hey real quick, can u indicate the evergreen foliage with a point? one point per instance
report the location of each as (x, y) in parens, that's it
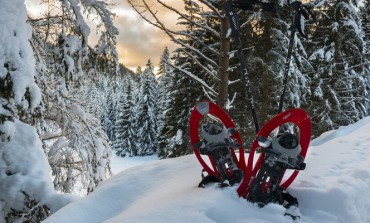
(337, 55)
(182, 98)
(19, 98)
(165, 81)
(126, 124)
(82, 103)
(146, 113)
(266, 38)
(75, 143)
(365, 16)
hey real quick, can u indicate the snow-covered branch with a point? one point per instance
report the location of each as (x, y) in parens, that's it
(213, 8)
(212, 73)
(159, 24)
(184, 16)
(194, 77)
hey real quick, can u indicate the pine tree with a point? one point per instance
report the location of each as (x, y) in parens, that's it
(22, 160)
(365, 16)
(139, 70)
(125, 126)
(265, 38)
(77, 147)
(204, 43)
(165, 80)
(338, 60)
(182, 97)
(146, 113)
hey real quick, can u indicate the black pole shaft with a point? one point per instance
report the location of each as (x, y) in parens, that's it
(287, 66)
(235, 28)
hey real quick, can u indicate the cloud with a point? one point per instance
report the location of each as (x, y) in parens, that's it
(139, 41)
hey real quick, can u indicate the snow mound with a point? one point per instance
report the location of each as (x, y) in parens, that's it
(333, 188)
(25, 169)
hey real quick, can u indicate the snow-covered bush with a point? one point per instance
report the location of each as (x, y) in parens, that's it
(26, 189)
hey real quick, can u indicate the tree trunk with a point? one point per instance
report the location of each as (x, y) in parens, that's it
(223, 63)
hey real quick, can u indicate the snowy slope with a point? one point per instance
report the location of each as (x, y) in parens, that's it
(333, 188)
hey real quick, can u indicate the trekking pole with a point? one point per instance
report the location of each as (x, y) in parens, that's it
(292, 30)
(298, 10)
(235, 32)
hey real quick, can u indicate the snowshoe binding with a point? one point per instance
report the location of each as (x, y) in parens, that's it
(281, 153)
(217, 144)
(216, 139)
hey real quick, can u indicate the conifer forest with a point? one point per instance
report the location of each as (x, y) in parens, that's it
(83, 105)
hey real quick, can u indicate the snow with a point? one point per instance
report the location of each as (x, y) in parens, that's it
(16, 54)
(333, 188)
(123, 163)
(178, 137)
(26, 169)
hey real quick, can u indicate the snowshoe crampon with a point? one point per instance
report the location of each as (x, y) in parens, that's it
(216, 139)
(262, 180)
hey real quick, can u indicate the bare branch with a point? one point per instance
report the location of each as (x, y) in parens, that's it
(160, 25)
(43, 19)
(51, 135)
(212, 74)
(200, 42)
(207, 94)
(249, 19)
(214, 9)
(192, 76)
(229, 103)
(169, 32)
(212, 31)
(234, 81)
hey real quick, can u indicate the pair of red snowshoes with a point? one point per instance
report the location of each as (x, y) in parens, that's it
(259, 181)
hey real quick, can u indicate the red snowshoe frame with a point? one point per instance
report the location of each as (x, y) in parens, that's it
(201, 109)
(296, 116)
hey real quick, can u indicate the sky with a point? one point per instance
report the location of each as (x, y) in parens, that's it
(137, 41)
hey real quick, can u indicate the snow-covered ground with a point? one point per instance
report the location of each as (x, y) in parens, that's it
(119, 164)
(333, 188)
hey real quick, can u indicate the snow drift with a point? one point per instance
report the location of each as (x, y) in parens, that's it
(25, 170)
(333, 188)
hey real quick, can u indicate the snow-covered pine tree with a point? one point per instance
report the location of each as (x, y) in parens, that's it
(265, 38)
(337, 54)
(365, 16)
(26, 189)
(118, 96)
(77, 147)
(146, 113)
(205, 42)
(183, 91)
(111, 111)
(165, 80)
(182, 97)
(139, 70)
(126, 120)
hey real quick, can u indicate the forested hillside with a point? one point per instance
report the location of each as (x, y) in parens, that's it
(76, 105)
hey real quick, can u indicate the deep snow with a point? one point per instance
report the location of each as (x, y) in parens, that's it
(333, 188)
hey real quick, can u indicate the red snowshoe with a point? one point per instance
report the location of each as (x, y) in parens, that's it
(263, 181)
(217, 139)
